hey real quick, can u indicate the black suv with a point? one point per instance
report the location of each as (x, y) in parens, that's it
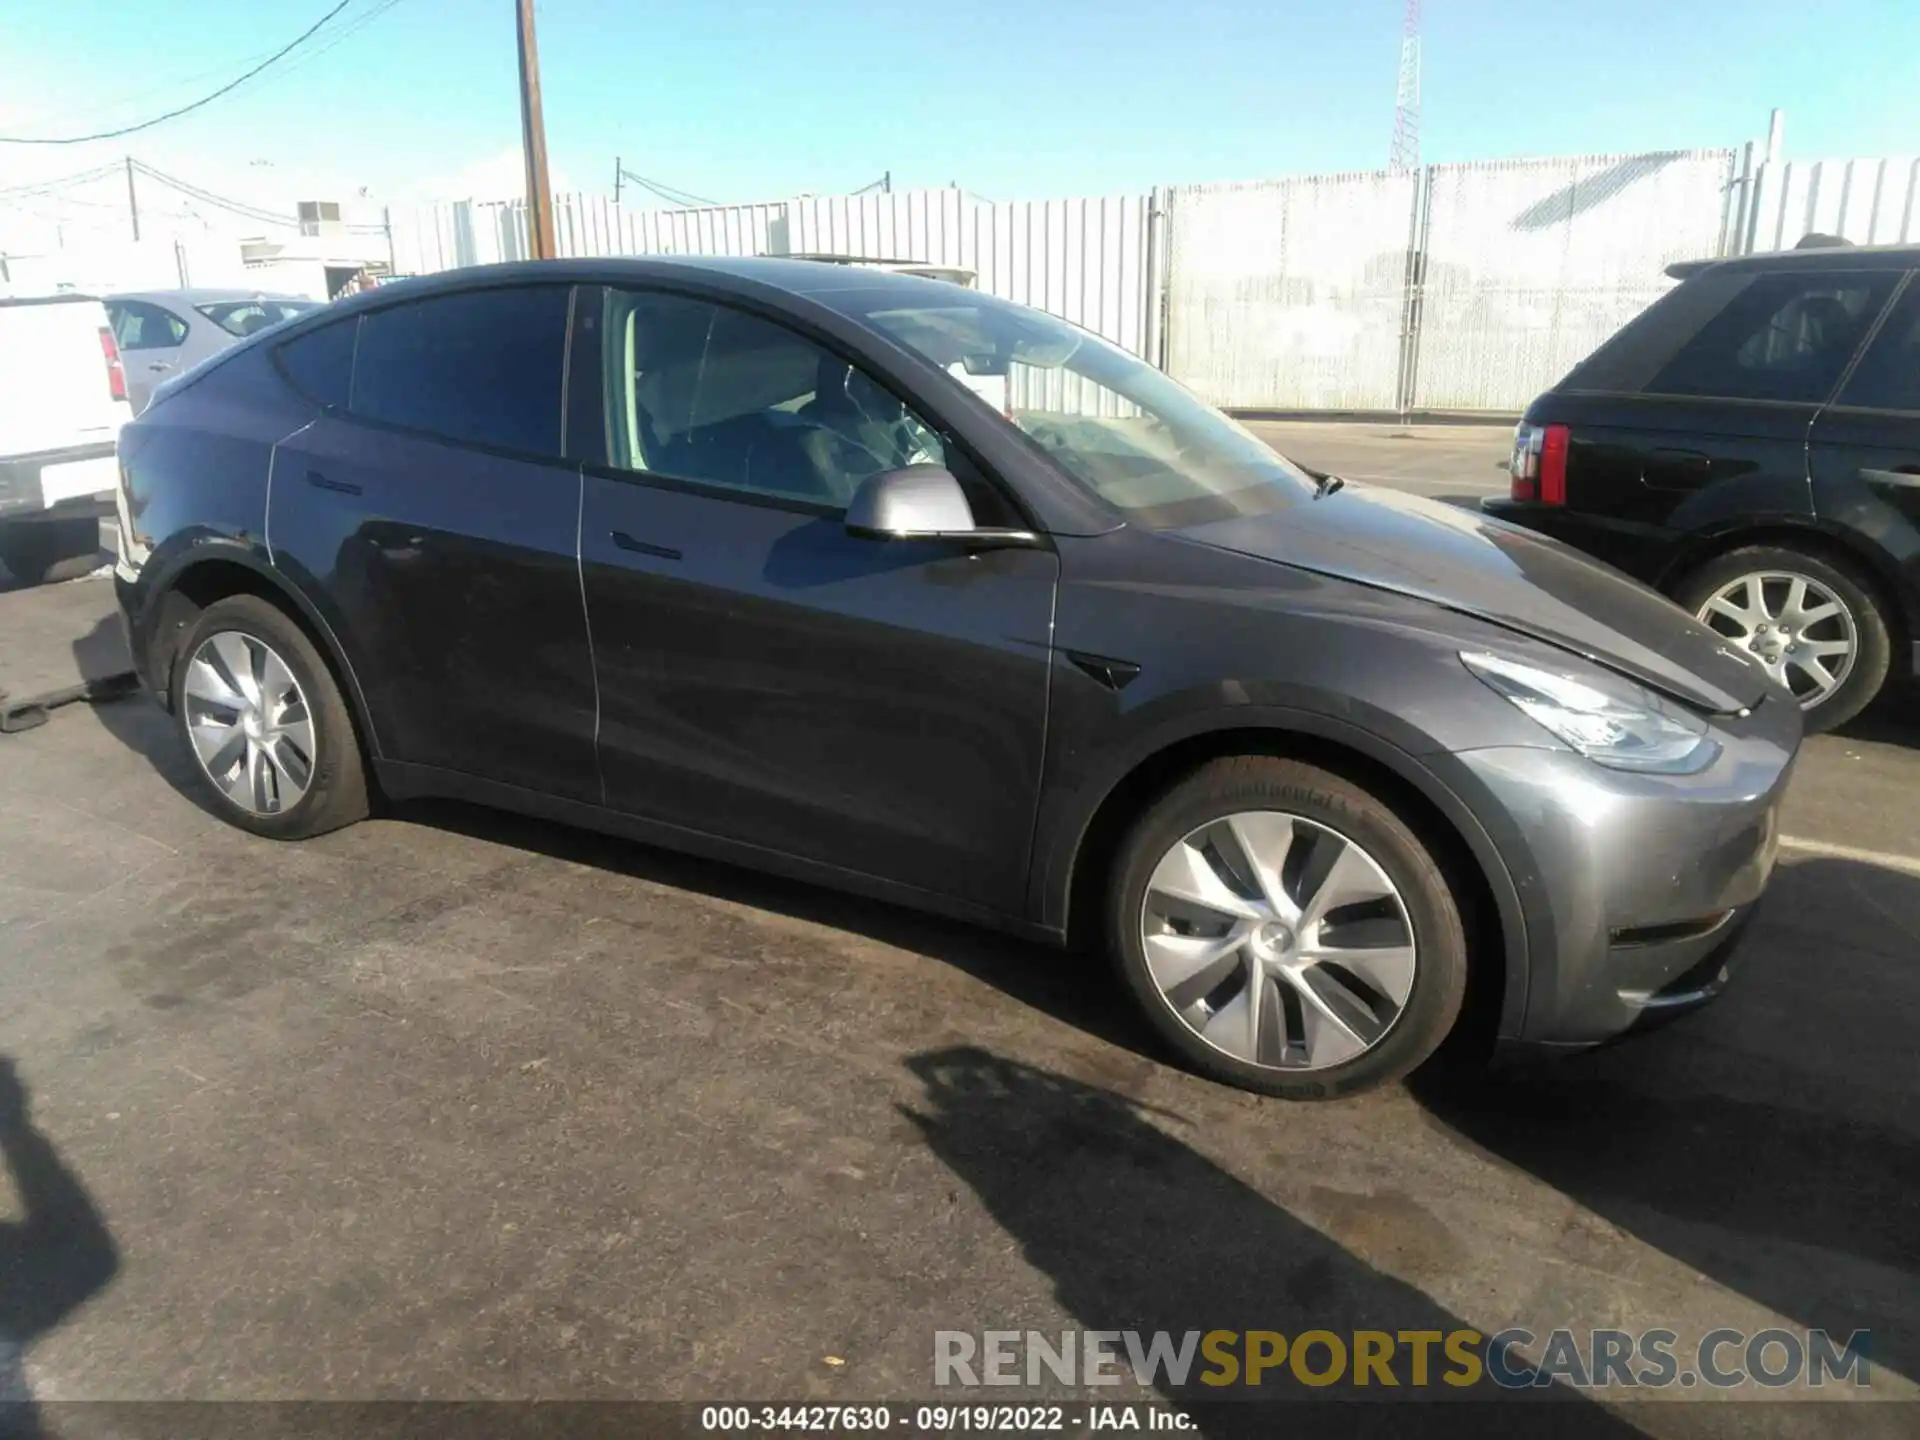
(1751, 446)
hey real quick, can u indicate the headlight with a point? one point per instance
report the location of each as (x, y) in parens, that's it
(1634, 730)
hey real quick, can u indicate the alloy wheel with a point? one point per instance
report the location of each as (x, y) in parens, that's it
(1796, 627)
(249, 722)
(1278, 941)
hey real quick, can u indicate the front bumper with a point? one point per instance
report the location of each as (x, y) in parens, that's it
(72, 483)
(1635, 888)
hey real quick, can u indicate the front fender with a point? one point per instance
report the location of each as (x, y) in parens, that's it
(1238, 649)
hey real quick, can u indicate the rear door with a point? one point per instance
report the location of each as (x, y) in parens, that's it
(429, 512)
(153, 345)
(766, 677)
(1865, 448)
(1716, 434)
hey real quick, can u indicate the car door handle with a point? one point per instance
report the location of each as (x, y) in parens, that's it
(641, 547)
(341, 487)
(1907, 477)
(160, 365)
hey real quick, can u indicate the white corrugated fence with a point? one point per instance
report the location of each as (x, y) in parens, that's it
(1455, 288)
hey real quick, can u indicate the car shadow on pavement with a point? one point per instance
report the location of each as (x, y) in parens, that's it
(1138, 1231)
(1771, 1142)
(1067, 985)
(53, 1259)
(137, 722)
(1892, 719)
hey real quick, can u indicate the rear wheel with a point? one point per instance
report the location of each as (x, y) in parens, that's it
(271, 737)
(1813, 625)
(42, 550)
(1285, 931)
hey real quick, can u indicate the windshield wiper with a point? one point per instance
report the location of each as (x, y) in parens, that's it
(1326, 485)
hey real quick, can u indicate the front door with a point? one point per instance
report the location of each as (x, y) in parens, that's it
(875, 706)
(434, 521)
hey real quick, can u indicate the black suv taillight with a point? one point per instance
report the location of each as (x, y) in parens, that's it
(1539, 463)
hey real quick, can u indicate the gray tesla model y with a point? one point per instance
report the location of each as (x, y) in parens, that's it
(879, 581)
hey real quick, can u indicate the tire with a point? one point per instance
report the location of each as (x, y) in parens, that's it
(38, 551)
(1863, 622)
(1325, 815)
(330, 790)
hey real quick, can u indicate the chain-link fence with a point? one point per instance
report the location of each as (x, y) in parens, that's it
(1527, 265)
(1290, 294)
(1457, 288)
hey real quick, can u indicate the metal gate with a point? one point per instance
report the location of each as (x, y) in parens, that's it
(1527, 265)
(1290, 294)
(1457, 288)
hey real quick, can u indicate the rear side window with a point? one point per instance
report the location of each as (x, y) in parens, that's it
(1786, 337)
(245, 317)
(480, 367)
(319, 364)
(1888, 376)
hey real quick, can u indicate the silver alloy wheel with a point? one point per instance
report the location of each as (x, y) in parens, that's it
(1793, 625)
(1278, 941)
(249, 722)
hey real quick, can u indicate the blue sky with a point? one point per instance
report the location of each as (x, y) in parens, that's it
(1009, 98)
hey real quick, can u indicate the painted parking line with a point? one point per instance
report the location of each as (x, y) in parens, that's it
(1905, 864)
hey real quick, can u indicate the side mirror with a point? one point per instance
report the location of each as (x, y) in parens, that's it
(923, 502)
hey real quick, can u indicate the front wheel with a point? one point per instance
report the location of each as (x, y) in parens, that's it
(1285, 932)
(1811, 624)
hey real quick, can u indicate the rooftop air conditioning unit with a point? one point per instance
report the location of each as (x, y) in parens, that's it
(320, 217)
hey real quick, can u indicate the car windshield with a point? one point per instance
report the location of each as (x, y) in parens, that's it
(248, 317)
(1117, 426)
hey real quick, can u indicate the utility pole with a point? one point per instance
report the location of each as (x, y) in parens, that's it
(886, 182)
(133, 202)
(533, 140)
(619, 174)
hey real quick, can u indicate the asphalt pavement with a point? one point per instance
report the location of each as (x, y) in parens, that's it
(455, 1105)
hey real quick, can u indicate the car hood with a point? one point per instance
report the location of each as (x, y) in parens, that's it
(1501, 573)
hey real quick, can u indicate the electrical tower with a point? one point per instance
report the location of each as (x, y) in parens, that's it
(1406, 110)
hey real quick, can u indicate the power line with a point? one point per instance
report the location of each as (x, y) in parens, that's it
(223, 202)
(176, 113)
(340, 37)
(669, 193)
(62, 182)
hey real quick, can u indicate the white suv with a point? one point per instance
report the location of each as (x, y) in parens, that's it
(63, 399)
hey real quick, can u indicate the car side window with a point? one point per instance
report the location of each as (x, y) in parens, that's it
(715, 396)
(480, 367)
(248, 317)
(1785, 337)
(138, 325)
(319, 364)
(1888, 375)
